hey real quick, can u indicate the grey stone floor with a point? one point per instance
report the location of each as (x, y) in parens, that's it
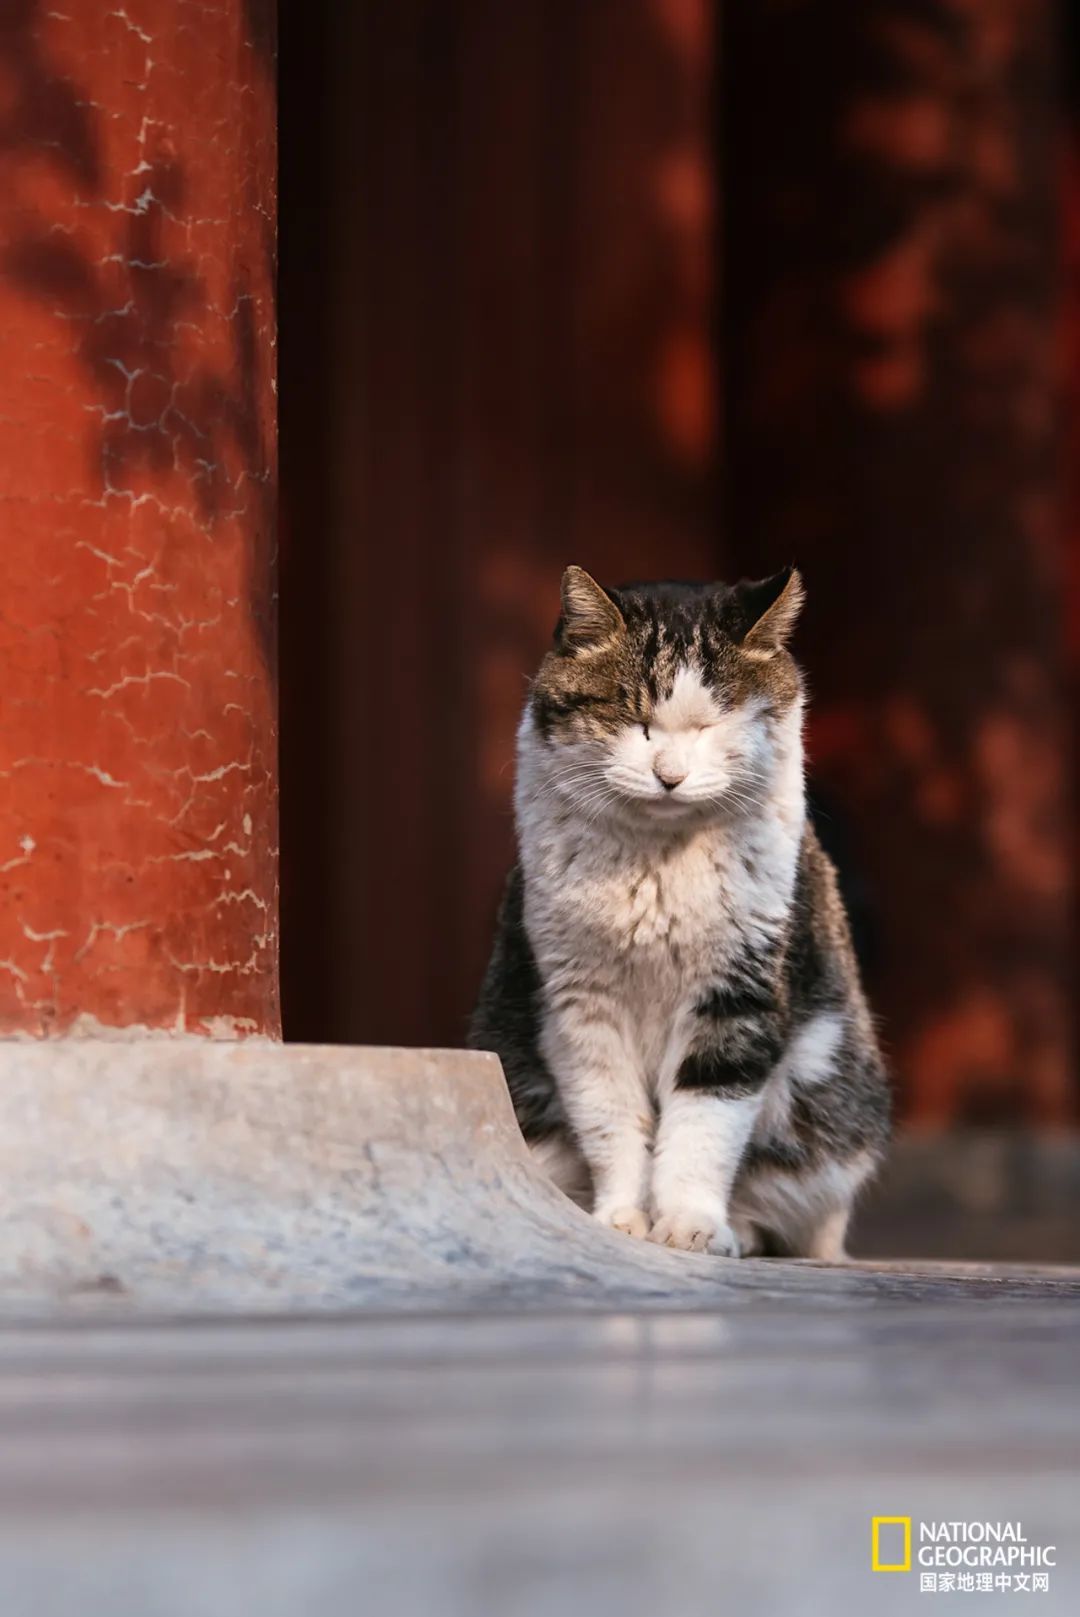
(533, 1465)
(300, 1332)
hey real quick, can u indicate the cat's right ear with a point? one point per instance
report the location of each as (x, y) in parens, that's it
(590, 618)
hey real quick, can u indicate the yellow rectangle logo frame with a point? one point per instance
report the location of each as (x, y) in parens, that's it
(876, 1524)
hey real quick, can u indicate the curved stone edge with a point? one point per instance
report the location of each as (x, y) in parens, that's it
(187, 1176)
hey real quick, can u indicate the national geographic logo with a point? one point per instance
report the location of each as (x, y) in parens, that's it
(963, 1557)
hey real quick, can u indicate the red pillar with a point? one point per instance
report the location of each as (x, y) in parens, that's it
(137, 484)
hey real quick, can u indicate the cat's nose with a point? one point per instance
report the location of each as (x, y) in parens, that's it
(669, 778)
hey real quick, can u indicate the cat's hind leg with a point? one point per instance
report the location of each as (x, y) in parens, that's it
(750, 1239)
(559, 1158)
(803, 1213)
(825, 1239)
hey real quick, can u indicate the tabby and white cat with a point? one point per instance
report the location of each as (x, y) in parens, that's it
(672, 990)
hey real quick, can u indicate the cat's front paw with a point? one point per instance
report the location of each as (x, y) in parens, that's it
(696, 1232)
(630, 1220)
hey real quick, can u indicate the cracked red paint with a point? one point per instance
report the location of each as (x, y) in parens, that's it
(138, 856)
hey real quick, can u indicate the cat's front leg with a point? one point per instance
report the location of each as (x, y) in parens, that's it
(603, 1091)
(706, 1120)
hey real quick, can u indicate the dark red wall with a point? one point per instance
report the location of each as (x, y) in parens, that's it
(522, 334)
(513, 228)
(892, 364)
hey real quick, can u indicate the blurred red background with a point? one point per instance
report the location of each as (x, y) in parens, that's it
(674, 289)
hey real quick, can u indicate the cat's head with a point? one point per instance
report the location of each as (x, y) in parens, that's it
(668, 702)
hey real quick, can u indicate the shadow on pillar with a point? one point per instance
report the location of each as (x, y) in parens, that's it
(138, 825)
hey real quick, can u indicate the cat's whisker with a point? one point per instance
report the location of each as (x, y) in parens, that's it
(566, 782)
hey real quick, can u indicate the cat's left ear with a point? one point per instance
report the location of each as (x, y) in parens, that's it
(589, 618)
(770, 608)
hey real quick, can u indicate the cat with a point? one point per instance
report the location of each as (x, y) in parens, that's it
(672, 988)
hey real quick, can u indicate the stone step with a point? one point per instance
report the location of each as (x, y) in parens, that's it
(184, 1176)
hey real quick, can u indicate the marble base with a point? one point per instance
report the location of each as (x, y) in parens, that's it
(163, 1176)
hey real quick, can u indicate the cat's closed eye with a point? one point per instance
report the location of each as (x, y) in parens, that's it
(645, 729)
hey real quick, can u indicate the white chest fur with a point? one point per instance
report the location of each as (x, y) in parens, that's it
(645, 929)
(631, 921)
